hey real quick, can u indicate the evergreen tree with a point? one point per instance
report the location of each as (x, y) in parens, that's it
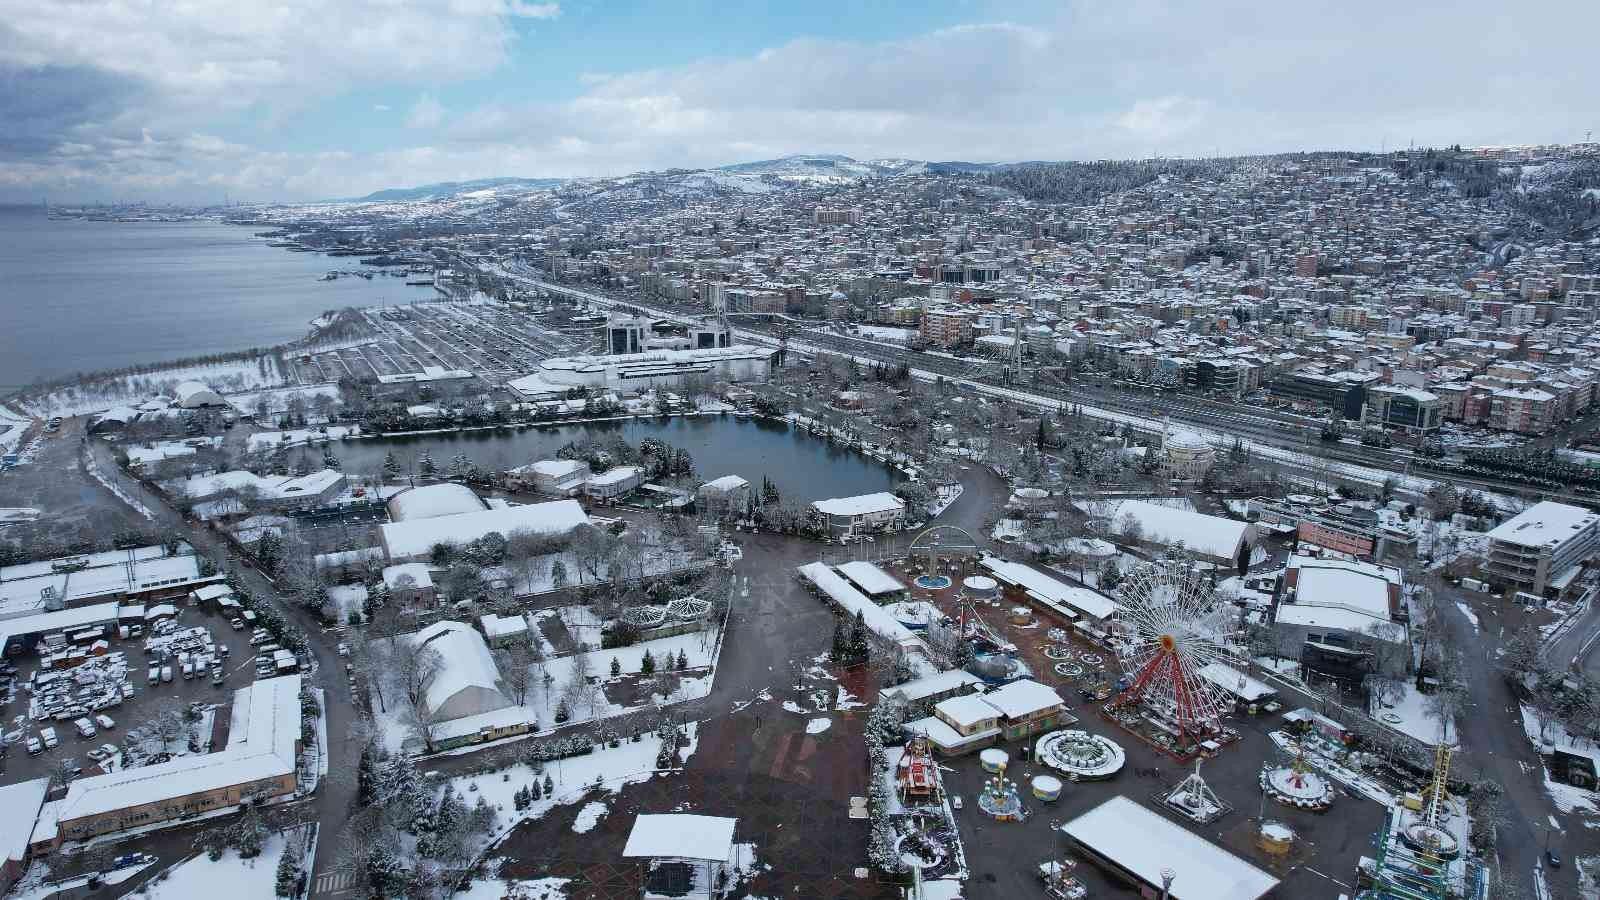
(841, 640)
(385, 872)
(562, 713)
(616, 667)
(391, 466)
(558, 574)
(367, 776)
(549, 786)
(647, 665)
(537, 791)
(288, 879)
(683, 660)
(426, 467)
(858, 637)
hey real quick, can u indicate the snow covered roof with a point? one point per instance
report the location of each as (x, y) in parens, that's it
(415, 539)
(1023, 698)
(870, 578)
(862, 505)
(212, 592)
(616, 475)
(421, 577)
(948, 680)
(558, 468)
(852, 601)
(1544, 524)
(192, 394)
(467, 682)
(1049, 590)
(726, 483)
(262, 732)
(21, 801)
(503, 626)
(966, 710)
(679, 836)
(433, 500)
(1358, 587)
(1211, 535)
(1144, 842)
(1236, 682)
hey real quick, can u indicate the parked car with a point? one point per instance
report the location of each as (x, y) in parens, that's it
(50, 740)
(105, 722)
(236, 624)
(35, 746)
(166, 674)
(1553, 859)
(85, 727)
(110, 750)
(154, 674)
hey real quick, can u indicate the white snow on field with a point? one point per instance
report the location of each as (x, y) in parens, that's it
(630, 762)
(545, 696)
(230, 876)
(551, 888)
(1467, 611)
(818, 726)
(278, 398)
(267, 440)
(1414, 719)
(104, 393)
(589, 816)
(348, 598)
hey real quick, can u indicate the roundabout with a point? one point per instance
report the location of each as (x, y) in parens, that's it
(1081, 755)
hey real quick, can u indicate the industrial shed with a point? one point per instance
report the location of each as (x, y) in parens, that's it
(194, 395)
(432, 501)
(468, 684)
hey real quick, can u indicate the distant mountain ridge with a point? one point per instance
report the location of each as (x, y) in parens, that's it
(751, 177)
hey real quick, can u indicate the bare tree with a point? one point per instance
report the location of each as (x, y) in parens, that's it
(414, 668)
(514, 663)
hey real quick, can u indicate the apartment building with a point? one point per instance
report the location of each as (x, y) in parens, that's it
(1543, 549)
(947, 326)
(1523, 410)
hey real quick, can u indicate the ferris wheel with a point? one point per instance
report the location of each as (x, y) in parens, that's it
(1177, 628)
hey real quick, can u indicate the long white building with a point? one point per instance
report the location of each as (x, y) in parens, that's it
(638, 371)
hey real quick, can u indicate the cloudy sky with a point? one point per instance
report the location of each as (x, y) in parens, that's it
(191, 100)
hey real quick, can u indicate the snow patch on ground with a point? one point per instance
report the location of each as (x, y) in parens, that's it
(1467, 611)
(538, 889)
(1411, 710)
(818, 726)
(230, 876)
(589, 816)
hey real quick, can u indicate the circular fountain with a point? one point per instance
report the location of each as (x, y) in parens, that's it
(933, 582)
(1081, 755)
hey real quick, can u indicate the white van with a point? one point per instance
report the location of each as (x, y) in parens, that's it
(85, 728)
(166, 674)
(154, 674)
(50, 740)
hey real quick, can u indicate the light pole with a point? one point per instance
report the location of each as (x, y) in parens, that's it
(1167, 876)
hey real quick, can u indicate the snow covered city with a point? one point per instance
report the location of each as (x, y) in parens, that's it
(518, 450)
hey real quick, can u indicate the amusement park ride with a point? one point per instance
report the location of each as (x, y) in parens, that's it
(1176, 629)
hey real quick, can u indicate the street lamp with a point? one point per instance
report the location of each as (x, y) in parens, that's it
(1167, 876)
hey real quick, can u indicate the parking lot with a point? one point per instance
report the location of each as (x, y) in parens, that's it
(112, 702)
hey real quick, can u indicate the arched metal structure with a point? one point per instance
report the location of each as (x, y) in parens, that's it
(943, 541)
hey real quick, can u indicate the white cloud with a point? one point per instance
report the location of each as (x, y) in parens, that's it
(1096, 81)
(425, 113)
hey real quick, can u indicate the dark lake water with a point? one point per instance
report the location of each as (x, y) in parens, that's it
(78, 296)
(805, 468)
